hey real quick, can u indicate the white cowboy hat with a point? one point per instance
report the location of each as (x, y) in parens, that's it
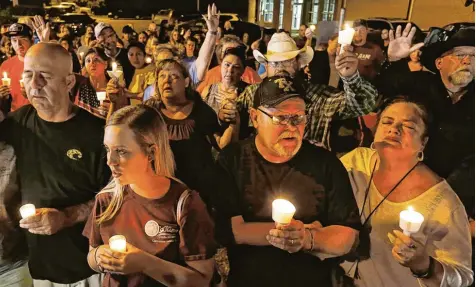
(282, 47)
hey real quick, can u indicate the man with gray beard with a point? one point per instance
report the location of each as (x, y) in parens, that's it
(278, 163)
(448, 91)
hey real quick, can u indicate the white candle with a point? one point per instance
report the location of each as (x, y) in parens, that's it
(148, 60)
(117, 243)
(345, 38)
(114, 66)
(313, 28)
(22, 81)
(6, 80)
(27, 210)
(283, 211)
(101, 96)
(81, 55)
(410, 221)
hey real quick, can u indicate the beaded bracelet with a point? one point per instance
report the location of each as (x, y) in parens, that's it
(312, 239)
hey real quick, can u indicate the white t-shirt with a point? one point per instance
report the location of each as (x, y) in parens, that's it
(445, 229)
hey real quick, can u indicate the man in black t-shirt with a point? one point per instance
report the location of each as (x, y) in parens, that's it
(277, 163)
(107, 38)
(60, 167)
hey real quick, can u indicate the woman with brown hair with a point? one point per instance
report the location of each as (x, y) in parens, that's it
(389, 178)
(177, 248)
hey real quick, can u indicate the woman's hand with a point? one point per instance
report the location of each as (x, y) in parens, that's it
(114, 91)
(290, 238)
(129, 262)
(410, 253)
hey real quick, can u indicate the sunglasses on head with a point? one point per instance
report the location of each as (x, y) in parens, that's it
(437, 34)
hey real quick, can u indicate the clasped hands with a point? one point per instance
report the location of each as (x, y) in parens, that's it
(292, 237)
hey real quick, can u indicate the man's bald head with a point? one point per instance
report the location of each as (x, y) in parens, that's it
(51, 54)
(48, 78)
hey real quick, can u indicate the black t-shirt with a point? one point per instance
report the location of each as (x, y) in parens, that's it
(123, 62)
(59, 165)
(191, 143)
(314, 180)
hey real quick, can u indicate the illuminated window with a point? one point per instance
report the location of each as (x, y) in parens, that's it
(267, 10)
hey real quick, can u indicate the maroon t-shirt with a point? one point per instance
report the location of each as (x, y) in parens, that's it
(370, 58)
(151, 225)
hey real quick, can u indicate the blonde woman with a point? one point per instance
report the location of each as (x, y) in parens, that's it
(168, 230)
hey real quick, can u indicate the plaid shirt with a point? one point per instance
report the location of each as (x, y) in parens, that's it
(326, 103)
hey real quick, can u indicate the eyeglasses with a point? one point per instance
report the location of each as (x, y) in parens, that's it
(461, 57)
(282, 63)
(294, 120)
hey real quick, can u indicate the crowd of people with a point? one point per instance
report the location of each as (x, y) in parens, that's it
(190, 137)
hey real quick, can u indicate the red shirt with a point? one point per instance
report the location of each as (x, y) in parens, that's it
(14, 69)
(151, 225)
(213, 76)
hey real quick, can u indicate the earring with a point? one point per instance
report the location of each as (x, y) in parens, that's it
(372, 146)
(420, 156)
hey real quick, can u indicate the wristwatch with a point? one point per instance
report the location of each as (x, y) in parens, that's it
(427, 274)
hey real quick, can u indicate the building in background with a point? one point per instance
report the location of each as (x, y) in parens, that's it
(290, 14)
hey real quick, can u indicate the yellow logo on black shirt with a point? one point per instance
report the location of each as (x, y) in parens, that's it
(74, 154)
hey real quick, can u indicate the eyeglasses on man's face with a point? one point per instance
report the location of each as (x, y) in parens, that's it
(294, 120)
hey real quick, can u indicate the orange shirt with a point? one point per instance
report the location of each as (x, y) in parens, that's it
(213, 76)
(14, 69)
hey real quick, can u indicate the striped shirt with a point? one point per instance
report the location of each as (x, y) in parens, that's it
(326, 103)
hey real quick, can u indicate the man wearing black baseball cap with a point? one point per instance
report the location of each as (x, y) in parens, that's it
(21, 36)
(278, 163)
(448, 90)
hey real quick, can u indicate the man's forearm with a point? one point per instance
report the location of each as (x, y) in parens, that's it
(78, 213)
(333, 240)
(360, 97)
(250, 233)
(205, 55)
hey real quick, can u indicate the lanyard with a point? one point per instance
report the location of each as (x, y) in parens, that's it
(388, 194)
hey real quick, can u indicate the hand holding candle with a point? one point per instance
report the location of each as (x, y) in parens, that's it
(410, 221)
(283, 211)
(115, 73)
(6, 80)
(345, 38)
(27, 210)
(118, 243)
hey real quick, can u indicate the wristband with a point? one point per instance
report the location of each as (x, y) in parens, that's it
(312, 239)
(95, 260)
(428, 273)
(213, 32)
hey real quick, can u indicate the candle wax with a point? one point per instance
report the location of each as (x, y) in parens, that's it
(27, 210)
(118, 243)
(283, 211)
(410, 221)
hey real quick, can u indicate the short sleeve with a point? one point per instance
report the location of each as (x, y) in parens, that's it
(192, 70)
(92, 229)
(196, 230)
(341, 208)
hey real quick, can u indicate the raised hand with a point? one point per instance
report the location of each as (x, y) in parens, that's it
(212, 18)
(347, 62)
(400, 45)
(42, 29)
(309, 33)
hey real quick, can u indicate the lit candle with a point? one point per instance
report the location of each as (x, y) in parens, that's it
(81, 55)
(6, 80)
(345, 37)
(410, 221)
(148, 60)
(313, 28)
(117, 243)
(22, 81)
(283, 211)
(115, 73)
(27, 210)
(101, 96)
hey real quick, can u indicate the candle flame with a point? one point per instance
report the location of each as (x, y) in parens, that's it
(114, 66)
(5, 75)
(346, 26)
(410, 208)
